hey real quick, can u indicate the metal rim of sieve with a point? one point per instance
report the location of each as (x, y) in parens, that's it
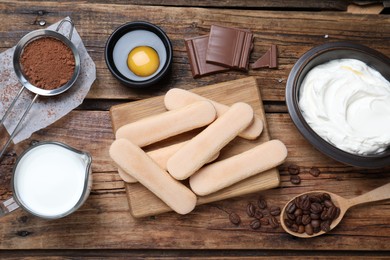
(32, 36)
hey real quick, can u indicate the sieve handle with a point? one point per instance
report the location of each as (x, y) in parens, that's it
(11, 106)
(71, 27)
(8, 206)
(18, 125)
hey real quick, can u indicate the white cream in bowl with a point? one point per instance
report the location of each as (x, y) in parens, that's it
(347, 103)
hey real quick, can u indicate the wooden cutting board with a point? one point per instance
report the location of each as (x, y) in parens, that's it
(144, 203)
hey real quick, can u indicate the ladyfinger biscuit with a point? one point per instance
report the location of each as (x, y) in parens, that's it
(176, 98)
(203, 146)
(158, 127)
(135, 161)
(160, 156)
(222, 174)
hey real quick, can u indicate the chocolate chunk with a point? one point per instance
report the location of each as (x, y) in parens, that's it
(269, 59)
(229, 47)
(196, 50)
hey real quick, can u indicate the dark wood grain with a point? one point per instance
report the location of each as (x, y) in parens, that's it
(104, 228)
(105, 221)
(340, 5)
(293, 32)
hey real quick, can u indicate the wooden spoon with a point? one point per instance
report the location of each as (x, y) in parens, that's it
(344, 204)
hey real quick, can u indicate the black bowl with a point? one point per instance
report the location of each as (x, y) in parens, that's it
(320, 55)
(121, 31)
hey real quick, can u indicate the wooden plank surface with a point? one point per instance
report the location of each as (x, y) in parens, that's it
(143, 202)
(103, 227)
(105, 221)
(293, 32)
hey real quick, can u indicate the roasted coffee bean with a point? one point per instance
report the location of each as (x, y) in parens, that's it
(234, 218)
(250, 209)
(265, 212)
(298, 212)
(291, 207)
(324, 214)
(291, 216)
(306, 212)
(255, 224)
(293, 169)
(298, 220)
(305, 204)
(288, 222)
(328, 203)
(315, 223)
(295, 179)
(258, 214)
(325, 226)
(262, 203)
(301, 229)
(337, 213)
(274, 211)
(265, 221)
(315, 198)
(325, 196)
(273, 222)
(309, 229)
(316, 229)
(314, 216)
(306, 219)
(315, 208)
(294, 228)
(315, 171)
(332, 213)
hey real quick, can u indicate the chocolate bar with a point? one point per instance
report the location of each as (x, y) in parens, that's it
(269, 59)
(229, 47)
(196, 50)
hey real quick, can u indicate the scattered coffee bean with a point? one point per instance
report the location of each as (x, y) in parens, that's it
(293, 169)
(234, 218)
(295, 179)
(258, 214)
(262, 203)
(274, 211)
(255, 224)
(250, 209)
(273, 222)
(315, 171)
(311, 213)
(265, 212)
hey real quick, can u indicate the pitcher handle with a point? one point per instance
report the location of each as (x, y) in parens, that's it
(71, 27)
(8, 206)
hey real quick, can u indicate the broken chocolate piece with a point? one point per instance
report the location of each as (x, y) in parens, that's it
(229, 47)
(269, 59)
(196, 50)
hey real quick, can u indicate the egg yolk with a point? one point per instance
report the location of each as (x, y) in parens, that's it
(143, 61)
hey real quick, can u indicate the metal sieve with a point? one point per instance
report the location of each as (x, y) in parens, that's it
(34, 35)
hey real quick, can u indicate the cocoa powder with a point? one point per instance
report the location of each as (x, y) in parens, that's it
(47, 63)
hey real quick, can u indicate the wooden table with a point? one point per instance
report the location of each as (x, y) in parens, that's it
(103, 227)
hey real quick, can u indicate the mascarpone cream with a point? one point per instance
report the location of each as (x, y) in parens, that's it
(347, 103)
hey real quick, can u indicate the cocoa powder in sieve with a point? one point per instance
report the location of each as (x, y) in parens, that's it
(47, 63)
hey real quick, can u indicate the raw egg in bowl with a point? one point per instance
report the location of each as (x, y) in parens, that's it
(138, 54)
